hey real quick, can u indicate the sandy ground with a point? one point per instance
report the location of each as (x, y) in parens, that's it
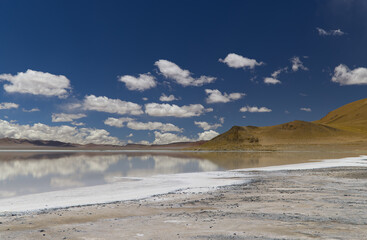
(304, 204)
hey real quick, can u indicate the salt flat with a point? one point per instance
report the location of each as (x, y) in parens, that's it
(323, 203)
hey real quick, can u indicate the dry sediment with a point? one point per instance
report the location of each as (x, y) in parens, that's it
(304, 204)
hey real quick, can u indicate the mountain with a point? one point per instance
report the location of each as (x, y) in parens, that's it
(351, 117)
(343, 128)
(11, 143)
(170, 146)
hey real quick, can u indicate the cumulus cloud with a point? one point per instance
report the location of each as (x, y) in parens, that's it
(215, 96)
(221, 120)
(274, 76)
(104, 104)
(73, 106)
(306, 109)
(31, 110)
(344, 76)
(37, 83)
(117, 122)
(64, 117)
(276, 73)
(165, 98)
(8, 105)
(166, 138)
(141, 83)
(163, 127)
(172, 110)
(77, 123)
(269, 80)
(144, 142)
(135, 125)
(207, 126)
(254, 109)
(207, 135)
(323, 32)
(237, 61)
(63, 133)
(183, 77)
(297, 64)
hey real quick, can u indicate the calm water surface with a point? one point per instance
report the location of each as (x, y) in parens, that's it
(24, 173)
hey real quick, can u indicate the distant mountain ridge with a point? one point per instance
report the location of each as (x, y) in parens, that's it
(344, 128)
(346, 125)
(12, 143)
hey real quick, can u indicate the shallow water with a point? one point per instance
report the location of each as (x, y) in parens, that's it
(23, 173)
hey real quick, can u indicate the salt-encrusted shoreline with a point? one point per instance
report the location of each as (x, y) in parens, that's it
(141, 188)
(325, 203)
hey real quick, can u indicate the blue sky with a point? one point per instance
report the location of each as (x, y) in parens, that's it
(95, 71)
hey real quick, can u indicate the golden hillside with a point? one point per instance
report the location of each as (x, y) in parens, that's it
(345, 126)
(351, 117)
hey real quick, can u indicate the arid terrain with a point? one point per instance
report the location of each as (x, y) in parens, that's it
(342, 129)
(305, 204)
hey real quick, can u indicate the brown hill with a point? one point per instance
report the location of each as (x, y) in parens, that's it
(345, 126)
(351, 117)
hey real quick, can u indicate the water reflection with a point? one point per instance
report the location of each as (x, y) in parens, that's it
(25, 173)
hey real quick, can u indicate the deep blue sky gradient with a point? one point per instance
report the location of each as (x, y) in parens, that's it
(93, 42)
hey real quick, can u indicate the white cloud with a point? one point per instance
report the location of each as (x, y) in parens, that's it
(77, 123)
(163, 127)
(181, 76)
(117, 122)
(145, 99)
(215, 96)
(166, 138)
(237, 61)
(274, 76)
(130, 135)
(269, 80)
(135, 125)
(31, 110)
(207, 135)
(165, 98)
(73, 106)
(323, 32)
(297, 64)
(37, 83)
(8, 105)
(207, 126)
(344, 76)
(63, 133)
(141, 83)
(276, 73)
(221, 120)
(64, 117)
(144, 142)
(254, 109)
(172, 110)
(104, 104)
(306, 109)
